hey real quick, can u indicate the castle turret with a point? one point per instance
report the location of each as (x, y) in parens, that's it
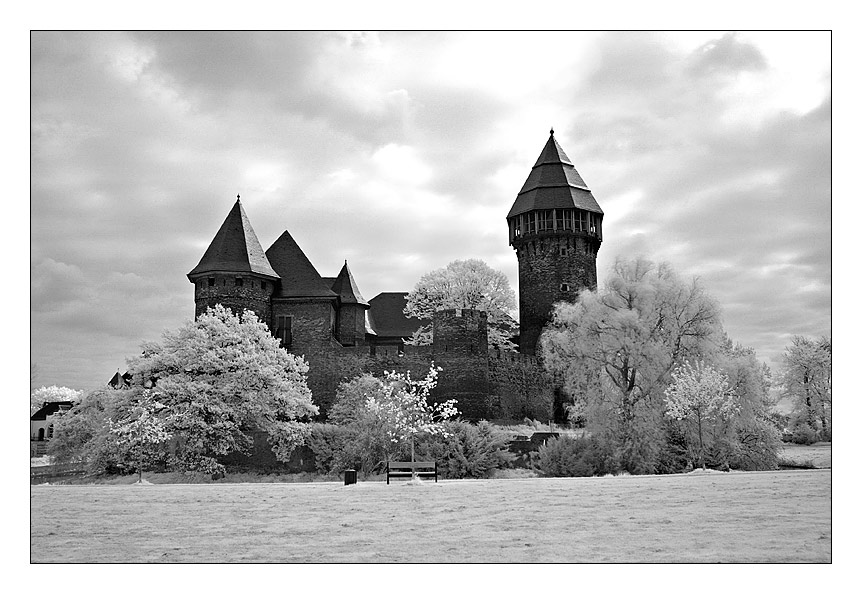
(352, 307)
(555, 227)
(234, 270)
(460, 348)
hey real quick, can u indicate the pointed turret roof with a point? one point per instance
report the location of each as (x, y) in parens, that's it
(554, 183)
(299, 278)
(345, 287)
(235, 248)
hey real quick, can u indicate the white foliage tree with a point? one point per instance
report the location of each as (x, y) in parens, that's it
(403, 406)
(697, 395)
(44, 394)
(141, 429)
(220, 377)
(806, 379)
(616, 348)
(465, 284)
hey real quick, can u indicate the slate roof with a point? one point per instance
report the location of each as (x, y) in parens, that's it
(345, 287)
(299, 278)
(115, 381)
(49, 408)
(387, 318)
(235, 248)
(554, 183)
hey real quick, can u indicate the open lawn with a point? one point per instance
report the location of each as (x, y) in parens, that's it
(697, 517)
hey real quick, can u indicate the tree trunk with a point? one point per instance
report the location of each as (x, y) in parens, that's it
(412, 458)
(700, 440)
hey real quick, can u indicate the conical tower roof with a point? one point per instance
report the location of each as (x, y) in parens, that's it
(235, 248)
(299, 278)
(554, 183)
(345, 287)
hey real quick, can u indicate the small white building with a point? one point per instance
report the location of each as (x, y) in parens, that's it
(42, 423)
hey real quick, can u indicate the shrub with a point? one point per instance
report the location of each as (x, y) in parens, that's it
(564, 456)
(468, 451)
(329, 442)
(804, 435)
(673, 455)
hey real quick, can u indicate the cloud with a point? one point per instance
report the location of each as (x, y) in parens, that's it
(404, 151)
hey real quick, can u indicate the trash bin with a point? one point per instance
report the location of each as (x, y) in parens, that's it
(349, 477)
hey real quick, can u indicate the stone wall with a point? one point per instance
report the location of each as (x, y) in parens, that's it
(262, 458)
(254, 294)
(328, 368)
(519, 387)
(312, 324)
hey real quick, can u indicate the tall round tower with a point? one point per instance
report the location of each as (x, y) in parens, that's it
(555, 227)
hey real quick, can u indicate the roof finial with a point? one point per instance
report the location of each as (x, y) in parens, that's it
(552, 130)
(237, 196)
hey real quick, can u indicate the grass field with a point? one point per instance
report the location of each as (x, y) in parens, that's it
(697, 517)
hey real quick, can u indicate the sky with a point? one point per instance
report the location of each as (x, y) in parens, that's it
(403, 151)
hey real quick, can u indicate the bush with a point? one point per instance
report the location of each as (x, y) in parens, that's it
(569, 456)
(466, 450)
(804, 435)
(673, 455)
(329, 442)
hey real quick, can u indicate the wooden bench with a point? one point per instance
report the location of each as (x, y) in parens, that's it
(402, 469)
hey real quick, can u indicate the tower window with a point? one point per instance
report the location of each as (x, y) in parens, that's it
(263, 285)
(580, 220)
(564, 251)
(564, 287)
(530, 222)
(238, 282)
(211, 282)
(284, 330)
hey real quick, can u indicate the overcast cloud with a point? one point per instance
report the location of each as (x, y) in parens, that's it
(401, 152)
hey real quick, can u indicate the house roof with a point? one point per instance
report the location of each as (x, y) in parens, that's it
(554, 183)
(345, 287)
(387, 318)
(117, 380)
(49, 408)
(235, 248)
(299, 278)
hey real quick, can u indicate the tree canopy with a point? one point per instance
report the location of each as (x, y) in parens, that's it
(618, 347)
(806, 379)
(44, 394)
(205, 385)
(465, 284)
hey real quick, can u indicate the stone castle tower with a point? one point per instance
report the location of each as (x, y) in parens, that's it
(555, 227)
(234, 271)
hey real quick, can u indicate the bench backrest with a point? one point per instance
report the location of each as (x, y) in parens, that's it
(411, 465)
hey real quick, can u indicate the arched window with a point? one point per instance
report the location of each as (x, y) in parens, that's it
(50, 431)
(41, 434)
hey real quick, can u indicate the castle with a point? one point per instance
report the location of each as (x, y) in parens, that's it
(555, 227)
